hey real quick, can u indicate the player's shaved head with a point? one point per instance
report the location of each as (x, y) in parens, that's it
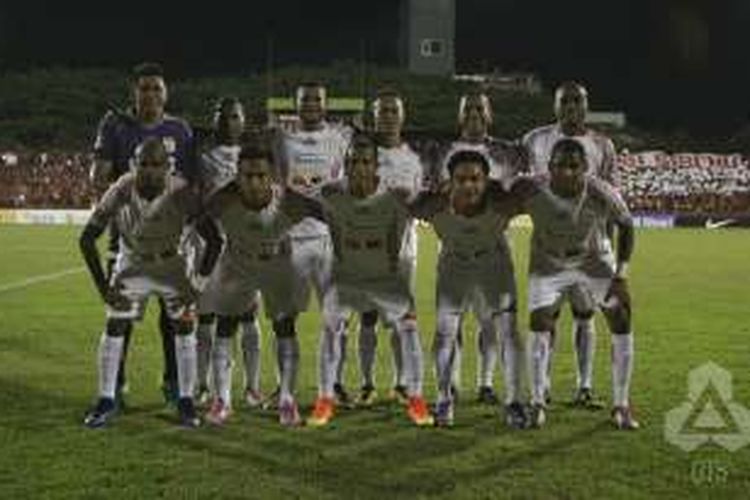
(151, 164)
(311, 104)
(474, 115)
(389, 114)
(571, 107)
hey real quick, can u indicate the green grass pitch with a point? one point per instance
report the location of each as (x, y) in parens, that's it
(691, 290)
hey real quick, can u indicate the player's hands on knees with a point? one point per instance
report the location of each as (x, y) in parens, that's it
(113, 296)
(618, 292)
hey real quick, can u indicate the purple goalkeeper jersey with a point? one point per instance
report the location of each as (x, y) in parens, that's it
(119, 135)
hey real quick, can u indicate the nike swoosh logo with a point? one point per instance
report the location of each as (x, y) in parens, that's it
(715, 225)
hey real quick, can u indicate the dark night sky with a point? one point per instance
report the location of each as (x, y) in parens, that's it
(666, 62)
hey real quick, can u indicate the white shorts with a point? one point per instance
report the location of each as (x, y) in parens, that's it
(392, 300)
(233, 290)
(485, 284)
(312, 261)
(167, 279)
(581, 288)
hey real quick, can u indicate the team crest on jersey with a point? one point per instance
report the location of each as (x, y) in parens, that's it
(170, 144)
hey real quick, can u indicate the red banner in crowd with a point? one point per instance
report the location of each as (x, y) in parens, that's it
(660, 159)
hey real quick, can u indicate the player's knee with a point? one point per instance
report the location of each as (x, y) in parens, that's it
(543, 320)
(582, 314)
(284, 327)
(369, 319)
(618, 318)
(408, 323)
(118, 327)
(226, 326)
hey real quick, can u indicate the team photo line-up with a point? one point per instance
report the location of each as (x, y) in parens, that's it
(211, 226)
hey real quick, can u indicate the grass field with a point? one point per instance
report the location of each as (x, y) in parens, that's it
(691, 297)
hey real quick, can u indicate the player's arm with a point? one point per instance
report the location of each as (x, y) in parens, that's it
(209, 231)
(94, 228)
(102, 168)
(608, 167)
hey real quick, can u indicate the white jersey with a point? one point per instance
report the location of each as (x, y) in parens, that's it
(309, 160)
(469, 238)
(504, 157)
(219, 167)
(147, 228)
(572, 234)
(366, 234)
(400, 168)
(600, 151)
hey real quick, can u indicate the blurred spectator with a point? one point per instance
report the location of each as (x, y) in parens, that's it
(46, 180)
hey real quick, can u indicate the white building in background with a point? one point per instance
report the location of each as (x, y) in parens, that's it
(427, 36)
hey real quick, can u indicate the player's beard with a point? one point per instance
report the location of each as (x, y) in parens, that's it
(362, 187)
(257, 199)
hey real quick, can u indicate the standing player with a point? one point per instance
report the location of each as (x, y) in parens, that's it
(218, 169)
(367, 228)
(149, 209)
(570, 249)
(310, 157)
(474, 270)
(505, 159)
(255, 214)
(399, 168)
(571, 107)
(116, 140)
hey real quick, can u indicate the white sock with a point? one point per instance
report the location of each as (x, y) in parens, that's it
(622, 368)
(187, 362)
(287, 354)
(510, 348)
(110, 352)
(399, 378)
(457, 357)
(488, 351)
(204, 341)
(444, 350)
(411, 350)
(251, 353)
(343, 342)
(585, 342)
(550, 355)
(368, 343)
(540, 350)
(328, 361)
(222, 368)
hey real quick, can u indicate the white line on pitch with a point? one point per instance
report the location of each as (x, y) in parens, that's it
(40, 279)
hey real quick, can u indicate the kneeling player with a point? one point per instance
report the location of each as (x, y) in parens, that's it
(367, 230)
(570, 250)
(255, 214)
(150, 210)
(474, 270)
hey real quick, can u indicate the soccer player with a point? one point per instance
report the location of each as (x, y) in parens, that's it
(474, 270)
(367, 228)
(310, 157)
(571, 107)
(505, 160)
(219, 168)
(256, 213)
(118, 135)
(570, 248)
(149, 209)
(399, 168)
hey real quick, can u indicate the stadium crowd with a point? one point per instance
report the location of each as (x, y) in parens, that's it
(60, 180)
(45, 180)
